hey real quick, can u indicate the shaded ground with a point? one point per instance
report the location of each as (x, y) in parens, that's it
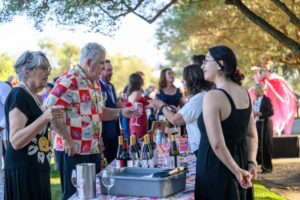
(285, 178)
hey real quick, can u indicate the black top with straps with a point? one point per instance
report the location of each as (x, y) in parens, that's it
(214, 180)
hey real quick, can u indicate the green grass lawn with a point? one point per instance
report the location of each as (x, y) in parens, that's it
(261, 192)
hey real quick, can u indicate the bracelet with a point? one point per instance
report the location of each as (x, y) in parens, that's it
(120, 112)
(250, 162)
(162, 107)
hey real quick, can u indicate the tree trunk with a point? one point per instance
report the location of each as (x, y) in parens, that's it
(276, 34)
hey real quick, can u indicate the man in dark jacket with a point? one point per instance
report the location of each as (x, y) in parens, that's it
(110, 129)
(263, 110)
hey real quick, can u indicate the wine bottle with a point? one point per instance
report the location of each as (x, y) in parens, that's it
(134, 152)
(119, 162)
(151, 118)
(125, 156)
(146, 155)
(174, 153)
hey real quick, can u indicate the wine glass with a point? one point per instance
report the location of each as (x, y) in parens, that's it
(137, 112)
(108, 178)
(123, 96)
(76, 184)
(103, 97)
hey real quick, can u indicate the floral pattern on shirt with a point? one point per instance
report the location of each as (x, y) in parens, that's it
(80, 97)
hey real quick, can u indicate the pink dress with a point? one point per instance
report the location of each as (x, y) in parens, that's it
(283, 99)
(140, 130)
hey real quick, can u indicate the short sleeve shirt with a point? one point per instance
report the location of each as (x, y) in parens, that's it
(190, 113)
(83, 108)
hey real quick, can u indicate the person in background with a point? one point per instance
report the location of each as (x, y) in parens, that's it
(27, 159)
(135, 94)
(168, 93)
(12, 80)
(143, 77)
(198, 59)
(196, 85)
(45, 94)
(4, 91)
(226, 162)
(263, 111)
(110, 129)
(78, 139)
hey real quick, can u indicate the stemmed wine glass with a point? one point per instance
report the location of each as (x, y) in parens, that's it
(103, 97)
(123, 96)
(137, 112)
(76, 184)
(108, 178)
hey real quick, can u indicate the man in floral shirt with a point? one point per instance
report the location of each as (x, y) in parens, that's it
(80, 93)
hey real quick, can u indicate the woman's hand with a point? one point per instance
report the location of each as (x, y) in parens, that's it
(54, 112)
(156, 103)
(244, 178)
(252, 170)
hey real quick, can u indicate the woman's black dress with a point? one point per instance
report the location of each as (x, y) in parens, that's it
(27, 170)
(214, 181)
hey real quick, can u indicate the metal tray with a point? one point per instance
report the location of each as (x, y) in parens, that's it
(131, 181)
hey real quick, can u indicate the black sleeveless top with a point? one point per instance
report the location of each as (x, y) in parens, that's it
(214, 180)
(36, 154)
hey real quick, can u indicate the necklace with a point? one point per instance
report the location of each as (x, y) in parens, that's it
(37, 101)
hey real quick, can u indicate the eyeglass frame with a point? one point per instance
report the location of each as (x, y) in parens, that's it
(217, 61)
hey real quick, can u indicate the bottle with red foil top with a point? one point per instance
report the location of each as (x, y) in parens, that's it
(119, 161)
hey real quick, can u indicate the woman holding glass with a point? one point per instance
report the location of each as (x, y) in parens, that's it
(227, 152)
(196, 86)
(138, 124)
(27, 160)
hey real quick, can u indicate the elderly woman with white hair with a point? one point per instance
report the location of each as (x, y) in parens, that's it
(27, 160)
(263, 112)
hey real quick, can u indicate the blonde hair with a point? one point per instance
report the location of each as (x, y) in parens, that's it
(259, 86)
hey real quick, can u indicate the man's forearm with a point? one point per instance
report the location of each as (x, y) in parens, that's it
(60, 128)
(110, 114)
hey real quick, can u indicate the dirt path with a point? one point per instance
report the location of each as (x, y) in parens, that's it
(285, 178)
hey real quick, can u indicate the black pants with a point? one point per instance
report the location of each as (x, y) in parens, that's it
(111, 147)
(265, 146)
(66, 164)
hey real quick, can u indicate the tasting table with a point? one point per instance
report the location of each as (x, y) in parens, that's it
(187, 194)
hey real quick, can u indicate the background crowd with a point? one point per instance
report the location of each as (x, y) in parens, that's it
(85, 115)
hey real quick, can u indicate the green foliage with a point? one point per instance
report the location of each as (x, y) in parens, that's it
(62, 57)
(6, 66)
(191, 28)
(124, 66)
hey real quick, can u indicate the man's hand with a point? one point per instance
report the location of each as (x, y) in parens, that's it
(69, 146)
(127, 112)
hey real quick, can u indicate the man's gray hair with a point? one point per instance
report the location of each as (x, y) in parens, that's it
(259, 86)
(92, 51)
(30, 60)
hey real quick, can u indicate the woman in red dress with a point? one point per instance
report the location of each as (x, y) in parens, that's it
(137, 126)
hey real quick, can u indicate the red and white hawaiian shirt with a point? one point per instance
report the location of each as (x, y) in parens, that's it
(83, 106)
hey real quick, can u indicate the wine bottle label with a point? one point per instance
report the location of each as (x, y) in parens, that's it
(129, 163)
(151, 163)
(145, 163)
(136, 163)
(118, 164)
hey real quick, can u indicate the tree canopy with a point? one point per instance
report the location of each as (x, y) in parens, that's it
(104, 15)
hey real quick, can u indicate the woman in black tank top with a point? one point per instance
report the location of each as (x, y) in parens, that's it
(227, 151)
